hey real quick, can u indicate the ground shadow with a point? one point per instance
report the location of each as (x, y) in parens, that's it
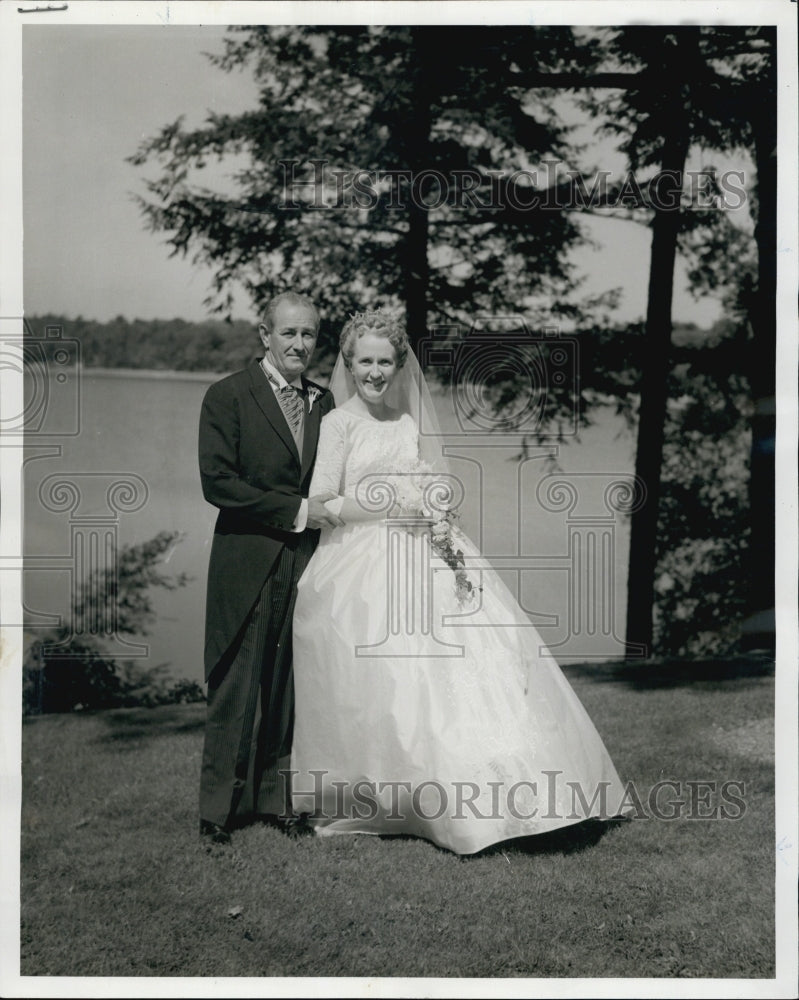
(565, 840)
(650, 674)
(135, 725)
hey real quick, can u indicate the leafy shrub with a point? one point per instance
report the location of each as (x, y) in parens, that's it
(701, 585)
(64, 673)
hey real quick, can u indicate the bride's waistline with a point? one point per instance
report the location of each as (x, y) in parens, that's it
(411, 525)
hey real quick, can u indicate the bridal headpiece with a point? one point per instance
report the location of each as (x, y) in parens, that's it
(409, 392)
(382, 323)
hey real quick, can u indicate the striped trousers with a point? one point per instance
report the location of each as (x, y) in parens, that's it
(250, 710)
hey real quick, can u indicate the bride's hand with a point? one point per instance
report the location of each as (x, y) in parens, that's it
(318, 515)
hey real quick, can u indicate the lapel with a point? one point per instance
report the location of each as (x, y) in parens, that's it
(264, 396)
(311, 434)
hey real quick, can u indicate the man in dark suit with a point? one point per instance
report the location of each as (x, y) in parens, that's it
(257, 444)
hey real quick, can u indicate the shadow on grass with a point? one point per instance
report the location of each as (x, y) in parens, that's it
(650, 674)
(567, 840)
(134, 725)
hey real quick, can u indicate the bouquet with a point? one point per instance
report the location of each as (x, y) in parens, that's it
(435, 507)
(444, 546)
(418, 494)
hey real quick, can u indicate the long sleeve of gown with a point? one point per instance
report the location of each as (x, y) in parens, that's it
(328, 470)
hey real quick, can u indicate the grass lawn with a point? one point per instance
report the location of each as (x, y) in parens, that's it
(116, 883)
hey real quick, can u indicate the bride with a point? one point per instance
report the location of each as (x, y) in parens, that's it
(426, 703)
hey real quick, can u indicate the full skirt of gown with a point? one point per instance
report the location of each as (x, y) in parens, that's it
(418, 715)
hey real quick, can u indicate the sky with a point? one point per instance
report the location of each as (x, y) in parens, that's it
(92, 93)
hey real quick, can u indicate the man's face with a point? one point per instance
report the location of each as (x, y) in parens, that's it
(292, 339)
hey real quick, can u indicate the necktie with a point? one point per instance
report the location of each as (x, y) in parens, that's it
(290, 400)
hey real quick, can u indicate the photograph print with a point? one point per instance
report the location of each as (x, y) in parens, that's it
(399, 443)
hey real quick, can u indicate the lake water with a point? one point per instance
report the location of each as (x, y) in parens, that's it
(141, 427)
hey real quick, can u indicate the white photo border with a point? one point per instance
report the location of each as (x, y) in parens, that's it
(780, 13)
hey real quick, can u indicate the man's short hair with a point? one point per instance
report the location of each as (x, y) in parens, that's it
(292, 298)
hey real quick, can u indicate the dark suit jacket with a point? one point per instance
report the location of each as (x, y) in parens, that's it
(251, 470)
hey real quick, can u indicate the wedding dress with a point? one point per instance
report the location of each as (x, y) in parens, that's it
(418, 711)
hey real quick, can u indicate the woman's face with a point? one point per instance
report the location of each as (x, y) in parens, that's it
(373, 366)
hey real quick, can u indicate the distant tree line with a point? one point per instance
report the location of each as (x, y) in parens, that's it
(216, 345)
(160, 344)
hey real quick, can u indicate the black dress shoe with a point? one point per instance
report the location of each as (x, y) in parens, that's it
(298, 826)
(215, 833)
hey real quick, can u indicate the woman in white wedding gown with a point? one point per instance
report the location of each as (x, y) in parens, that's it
(426, 703)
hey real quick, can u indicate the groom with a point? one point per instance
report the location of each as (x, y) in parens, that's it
(258, 434)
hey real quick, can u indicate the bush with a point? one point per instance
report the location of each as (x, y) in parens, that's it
(81, 678)
(701, 585)
(64, 673)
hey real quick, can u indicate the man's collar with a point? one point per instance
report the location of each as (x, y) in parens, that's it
(275, 376)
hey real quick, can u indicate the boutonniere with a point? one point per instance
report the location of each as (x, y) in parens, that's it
(313, 395)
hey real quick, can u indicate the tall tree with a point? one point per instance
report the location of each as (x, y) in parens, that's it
(673, 61)
(762, 116)
(687, 85)
(738, 110)
(358, 167)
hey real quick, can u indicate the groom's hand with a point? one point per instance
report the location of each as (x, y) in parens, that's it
(318, 515)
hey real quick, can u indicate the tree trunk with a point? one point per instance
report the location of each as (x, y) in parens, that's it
(758, 629)
(417, 274)
(415, 262)
(656, 365)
